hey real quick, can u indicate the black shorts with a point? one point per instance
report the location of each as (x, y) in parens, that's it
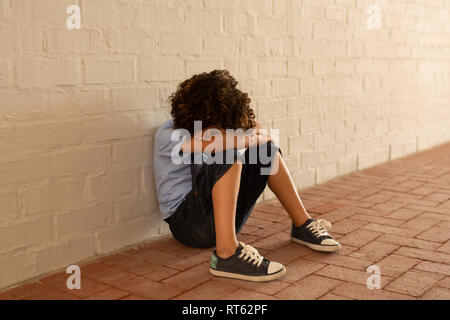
(193, 221)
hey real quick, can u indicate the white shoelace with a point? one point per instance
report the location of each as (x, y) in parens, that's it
(251, 254)
(319, 226)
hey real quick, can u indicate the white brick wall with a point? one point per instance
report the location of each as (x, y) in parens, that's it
(78, 109)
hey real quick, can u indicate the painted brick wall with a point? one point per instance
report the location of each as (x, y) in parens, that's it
(79, 108)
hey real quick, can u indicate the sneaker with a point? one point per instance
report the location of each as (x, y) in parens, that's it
(314, 235)
(246, 264)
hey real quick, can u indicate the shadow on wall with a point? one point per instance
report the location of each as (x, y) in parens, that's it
(77, 180)
(128, 183)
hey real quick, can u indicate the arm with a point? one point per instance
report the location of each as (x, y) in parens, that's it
(219, 141)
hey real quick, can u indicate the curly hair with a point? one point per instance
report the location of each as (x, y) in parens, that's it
(213, 99)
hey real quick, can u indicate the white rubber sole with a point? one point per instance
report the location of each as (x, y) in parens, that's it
(317, 247)
(269, 277)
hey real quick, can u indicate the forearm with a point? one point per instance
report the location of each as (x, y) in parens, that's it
(222, 141)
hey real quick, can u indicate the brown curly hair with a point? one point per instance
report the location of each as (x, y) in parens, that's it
(214, 99)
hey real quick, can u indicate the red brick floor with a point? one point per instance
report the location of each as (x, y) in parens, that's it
(395, 215)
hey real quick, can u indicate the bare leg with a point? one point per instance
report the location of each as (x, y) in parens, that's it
(283, 187)
(224, 196)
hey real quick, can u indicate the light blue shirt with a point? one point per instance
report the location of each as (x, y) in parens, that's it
(172, 170)
(172, 178)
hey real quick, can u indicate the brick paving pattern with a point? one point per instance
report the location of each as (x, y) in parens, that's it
(395, 215)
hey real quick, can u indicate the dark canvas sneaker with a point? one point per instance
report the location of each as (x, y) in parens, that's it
(246, 264)
(314, 235)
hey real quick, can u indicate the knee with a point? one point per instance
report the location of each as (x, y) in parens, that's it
(274, 149)
(227, 174)
(235, 168)
(263, 154)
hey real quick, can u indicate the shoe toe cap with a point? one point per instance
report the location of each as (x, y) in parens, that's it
(330, 242)
(274, 267)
